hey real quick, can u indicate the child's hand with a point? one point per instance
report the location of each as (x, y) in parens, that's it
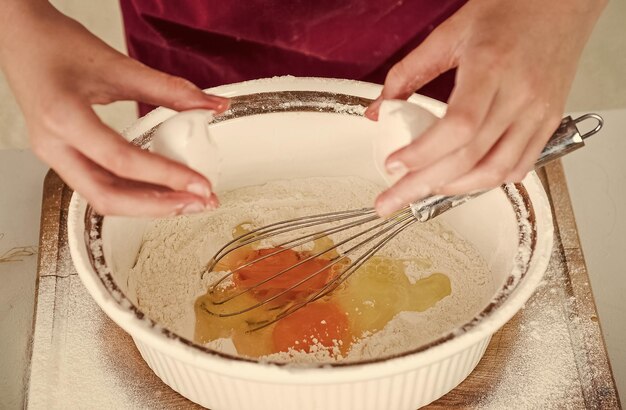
(58, 70)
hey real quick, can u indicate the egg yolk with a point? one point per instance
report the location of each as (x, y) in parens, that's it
(363, 304)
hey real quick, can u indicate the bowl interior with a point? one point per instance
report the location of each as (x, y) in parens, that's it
(297, 135)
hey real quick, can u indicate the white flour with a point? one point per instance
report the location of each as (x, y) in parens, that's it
(175, 251)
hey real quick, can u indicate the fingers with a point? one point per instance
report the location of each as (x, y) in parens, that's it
(498, 164)
(533, 149)
(408, 189)
(431, 58)
(450, 155)
(513, 155)
(491, 138)
(141, 83)
(109, 150)
(469, 105)
(112, 195)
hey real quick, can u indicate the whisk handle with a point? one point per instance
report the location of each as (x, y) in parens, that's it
(566, 139)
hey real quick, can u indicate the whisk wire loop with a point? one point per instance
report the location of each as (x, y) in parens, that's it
(387, 228)
(291, 224)
(338, 280)
(299, 263)
(292, 244)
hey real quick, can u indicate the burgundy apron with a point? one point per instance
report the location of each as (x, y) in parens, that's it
(213, 42)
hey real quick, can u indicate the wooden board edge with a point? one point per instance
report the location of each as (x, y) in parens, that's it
(592, 361)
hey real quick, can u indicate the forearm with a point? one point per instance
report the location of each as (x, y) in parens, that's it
(585, 11)
(591, 6)
(24, 25)
(18, 15)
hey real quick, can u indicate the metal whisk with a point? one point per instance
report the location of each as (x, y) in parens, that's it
(362, 234)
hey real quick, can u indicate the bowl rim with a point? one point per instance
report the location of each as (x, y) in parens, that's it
(89, 259)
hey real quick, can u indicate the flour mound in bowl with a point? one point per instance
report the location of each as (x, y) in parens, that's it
(167, 278)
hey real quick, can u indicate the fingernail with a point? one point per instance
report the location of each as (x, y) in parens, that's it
(213, 202)
(222, 102)
(192, 208)
(223, 106)
(200, 189)
(387, 206)
(396, 167)
(372, 111)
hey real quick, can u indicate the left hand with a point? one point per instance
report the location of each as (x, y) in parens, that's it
(515, 63)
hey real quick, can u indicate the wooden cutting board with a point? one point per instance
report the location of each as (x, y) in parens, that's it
(551, 355)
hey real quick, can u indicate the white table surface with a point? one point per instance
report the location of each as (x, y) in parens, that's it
(597, 182)
(21, 182)
(596, 177)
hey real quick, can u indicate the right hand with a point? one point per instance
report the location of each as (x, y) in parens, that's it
(58, 70)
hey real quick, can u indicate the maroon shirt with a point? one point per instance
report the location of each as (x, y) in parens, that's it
(219, 42)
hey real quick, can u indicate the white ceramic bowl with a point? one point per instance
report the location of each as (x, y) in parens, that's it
(285, 126)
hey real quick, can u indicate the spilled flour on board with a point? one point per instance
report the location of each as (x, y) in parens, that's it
(539, 371)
